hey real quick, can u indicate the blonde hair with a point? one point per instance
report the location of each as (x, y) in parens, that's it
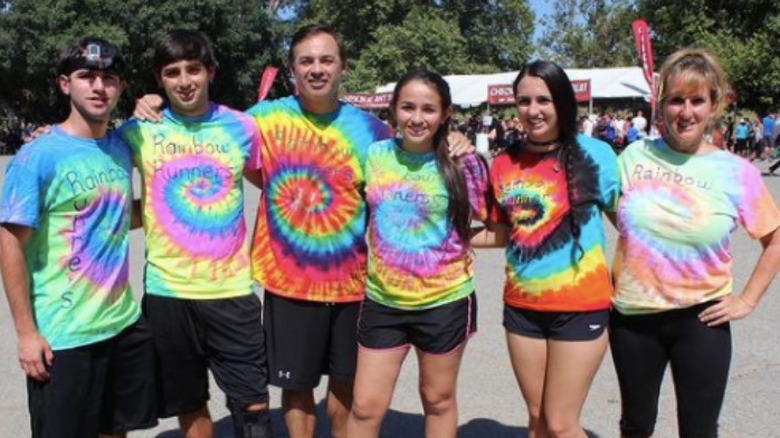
(690, 66)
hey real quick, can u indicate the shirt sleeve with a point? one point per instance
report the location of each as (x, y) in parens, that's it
(130, 133)
(475, 174)
(495, 214)
(609, 181)
(20, 203)
(757, 212)
(255, 160)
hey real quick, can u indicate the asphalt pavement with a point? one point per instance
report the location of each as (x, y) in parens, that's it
(489, 399)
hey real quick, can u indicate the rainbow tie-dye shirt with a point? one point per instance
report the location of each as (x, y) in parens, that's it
(76, 194)
(416, 259)
(193, 202)
(309, 241)
(545, 270)
(675, 216)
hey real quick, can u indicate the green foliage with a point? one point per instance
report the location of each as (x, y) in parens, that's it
(745, 35)
(590, 34)
(385, 39)
(34, 33)
(407, 46)
(498, 33)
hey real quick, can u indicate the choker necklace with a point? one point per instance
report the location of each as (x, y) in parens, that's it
(542, 147)
(542, 143)
(545, 148)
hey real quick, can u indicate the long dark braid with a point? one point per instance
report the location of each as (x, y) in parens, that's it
(569, 150)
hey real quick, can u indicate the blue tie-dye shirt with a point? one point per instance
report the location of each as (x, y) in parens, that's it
(76, 195)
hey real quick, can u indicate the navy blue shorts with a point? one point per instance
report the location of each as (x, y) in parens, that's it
(437, 330)
(558, 326)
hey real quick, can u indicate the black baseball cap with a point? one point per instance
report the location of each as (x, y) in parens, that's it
(92, 53)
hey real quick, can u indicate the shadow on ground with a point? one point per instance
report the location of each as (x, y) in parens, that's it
(396, 425)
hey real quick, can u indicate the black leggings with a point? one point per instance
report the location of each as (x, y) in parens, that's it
(642, 345)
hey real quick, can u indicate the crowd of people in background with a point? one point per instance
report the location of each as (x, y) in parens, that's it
(13, 135)
(755, 138)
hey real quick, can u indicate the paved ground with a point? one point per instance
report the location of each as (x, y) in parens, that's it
(490, 402)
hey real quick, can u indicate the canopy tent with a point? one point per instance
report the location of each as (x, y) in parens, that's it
(605, 83)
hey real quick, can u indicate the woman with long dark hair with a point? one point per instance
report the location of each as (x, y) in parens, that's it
(548, 193)
(420, 288)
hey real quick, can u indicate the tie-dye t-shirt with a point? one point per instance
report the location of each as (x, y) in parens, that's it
(76, 194)
(545, 269)
(675, 216)
(309, 242)
(193, 202)
(415, 258)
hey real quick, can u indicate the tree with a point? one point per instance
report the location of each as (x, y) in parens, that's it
(35, 33)
(744, 35)
(386, 38)
(408, 46)
(590, 34)
(498, 33)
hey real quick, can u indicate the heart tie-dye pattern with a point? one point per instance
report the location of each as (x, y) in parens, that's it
(544, 269)
(309, 241)
(76, 194)
(676, 215)
(416, 259)
(196, 235)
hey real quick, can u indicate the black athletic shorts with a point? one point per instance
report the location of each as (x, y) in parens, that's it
(193, 336)
(106, 387)
(438, 330)
(307, 339)
(558, 326)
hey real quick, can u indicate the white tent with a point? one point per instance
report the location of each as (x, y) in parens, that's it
(605, 83)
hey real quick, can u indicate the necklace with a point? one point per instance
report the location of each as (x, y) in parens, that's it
(545, 148)
(543, 143)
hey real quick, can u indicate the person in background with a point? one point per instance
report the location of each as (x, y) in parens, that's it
(640, 123)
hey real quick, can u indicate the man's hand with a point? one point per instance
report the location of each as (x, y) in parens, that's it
(35, 356)
(459, 144)
(149, 108)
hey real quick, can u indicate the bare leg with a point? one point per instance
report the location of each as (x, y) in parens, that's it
(197, 424)
(571, 367)
(338, 406)
(375, 379)
(438, 392)
(298, 411)
(529, 362)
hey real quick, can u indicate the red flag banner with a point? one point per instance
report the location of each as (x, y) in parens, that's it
(644, 49)
(369, 100)
(731, 93)
(581, 89)
(269, 74)
(501, 95)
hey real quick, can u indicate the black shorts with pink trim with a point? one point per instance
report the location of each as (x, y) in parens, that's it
(437, 330)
